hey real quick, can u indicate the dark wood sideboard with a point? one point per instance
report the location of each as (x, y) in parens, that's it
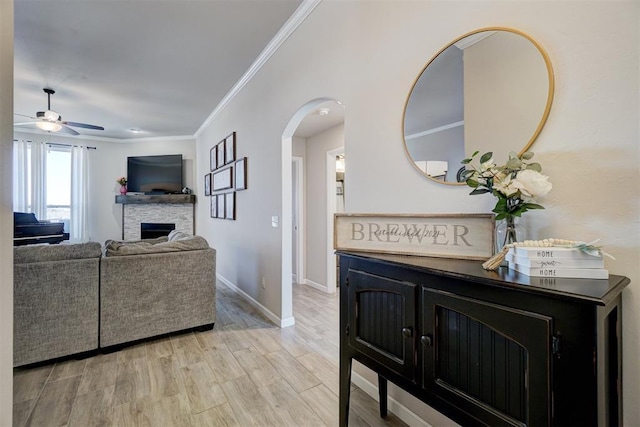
(481, 347)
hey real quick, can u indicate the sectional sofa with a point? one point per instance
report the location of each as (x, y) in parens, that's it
(77, 298)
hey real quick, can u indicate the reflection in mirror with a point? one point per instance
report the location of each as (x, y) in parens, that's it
(490, 90)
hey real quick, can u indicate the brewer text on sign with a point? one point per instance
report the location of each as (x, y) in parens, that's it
(464, 236)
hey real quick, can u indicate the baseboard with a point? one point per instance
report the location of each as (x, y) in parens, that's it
(394, 406)
(314, 285)
(283, 323)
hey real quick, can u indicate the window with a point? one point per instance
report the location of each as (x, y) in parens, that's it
(58, 184)
(51, 181)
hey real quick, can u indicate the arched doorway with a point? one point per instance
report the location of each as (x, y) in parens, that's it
(287, 205)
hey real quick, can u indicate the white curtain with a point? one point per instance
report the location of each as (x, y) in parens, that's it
(30, 178)
(79, 225)
(21, 202)
(39, 179)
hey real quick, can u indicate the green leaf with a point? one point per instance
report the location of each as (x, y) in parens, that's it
(534, 206)
(480, 191)
(500, 216)
(472, 183)
(514, 163)
(501, 205)
(528, 155)
(535, 166)
(466, 161)
(486, 157)
(475, 153)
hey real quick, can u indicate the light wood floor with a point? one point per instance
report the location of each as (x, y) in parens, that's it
(244, 372)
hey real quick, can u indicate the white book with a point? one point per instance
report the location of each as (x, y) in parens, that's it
(590, 262)
(551, 253)
(577, 273)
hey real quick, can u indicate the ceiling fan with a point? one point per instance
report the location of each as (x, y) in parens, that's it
(52, 122)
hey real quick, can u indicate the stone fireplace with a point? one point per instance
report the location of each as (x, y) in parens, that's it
(175, 209)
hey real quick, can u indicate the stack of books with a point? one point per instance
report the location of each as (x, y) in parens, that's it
(556, 262)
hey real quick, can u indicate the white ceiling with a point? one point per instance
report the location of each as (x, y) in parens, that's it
(315, 122)
(157, 66)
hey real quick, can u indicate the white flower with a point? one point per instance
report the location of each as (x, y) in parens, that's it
(488, 169)
(532, 184)
(505, 185)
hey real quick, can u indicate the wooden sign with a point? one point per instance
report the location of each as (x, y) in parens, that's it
(462, 236)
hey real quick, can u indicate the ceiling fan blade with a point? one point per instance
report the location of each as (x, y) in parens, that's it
(66, 129)
(83, 125)
(25, 124)
(24, 115)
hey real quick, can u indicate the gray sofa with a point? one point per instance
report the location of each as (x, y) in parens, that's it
(71, 299)
(55, 301)
(149, 288)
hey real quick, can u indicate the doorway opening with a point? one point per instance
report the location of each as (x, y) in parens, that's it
(335, 204)
(322, 115)
(297, 219)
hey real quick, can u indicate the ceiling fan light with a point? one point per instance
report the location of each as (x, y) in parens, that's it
(49, 126)
(52, 116)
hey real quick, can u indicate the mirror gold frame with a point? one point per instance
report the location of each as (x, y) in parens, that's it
(543, 118)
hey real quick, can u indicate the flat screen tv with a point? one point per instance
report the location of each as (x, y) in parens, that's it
(155, 174)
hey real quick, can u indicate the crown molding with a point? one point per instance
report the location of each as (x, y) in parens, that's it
(294, 21)
(158, 139)
(434, 130)
(468, 41)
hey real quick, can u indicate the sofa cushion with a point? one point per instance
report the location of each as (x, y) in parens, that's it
(115, 244)
(42, 253)
(193, 243)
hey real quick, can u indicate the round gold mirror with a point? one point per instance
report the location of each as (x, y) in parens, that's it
(488, 90)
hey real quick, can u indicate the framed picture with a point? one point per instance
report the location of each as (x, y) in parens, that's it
(220, 205)
(461, 236)
(207, 184)
(230, 205)
(241, 174)
(220, 154)
(222, 179)
(214, 206)
(213, 158)
(230, 148)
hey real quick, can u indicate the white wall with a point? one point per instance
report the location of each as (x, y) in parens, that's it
(447, 145)
(109, 162)
(298, 147)
(506, 87)
(6, 213)
(369, 60)
(316, 201)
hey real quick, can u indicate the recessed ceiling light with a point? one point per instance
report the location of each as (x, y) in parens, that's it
(323, 111)
(135, 130)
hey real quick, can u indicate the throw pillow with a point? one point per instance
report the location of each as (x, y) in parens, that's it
(176, 235)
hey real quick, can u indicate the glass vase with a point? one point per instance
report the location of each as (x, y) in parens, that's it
(123, 190)
(509, 230)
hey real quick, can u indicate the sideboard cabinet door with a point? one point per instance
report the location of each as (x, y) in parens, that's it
(491, 361)
(382, 320)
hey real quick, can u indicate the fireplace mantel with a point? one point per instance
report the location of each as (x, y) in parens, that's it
(140, 199)
(178, 209)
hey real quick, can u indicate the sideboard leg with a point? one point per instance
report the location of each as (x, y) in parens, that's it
(345, 389)
(382, 392)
